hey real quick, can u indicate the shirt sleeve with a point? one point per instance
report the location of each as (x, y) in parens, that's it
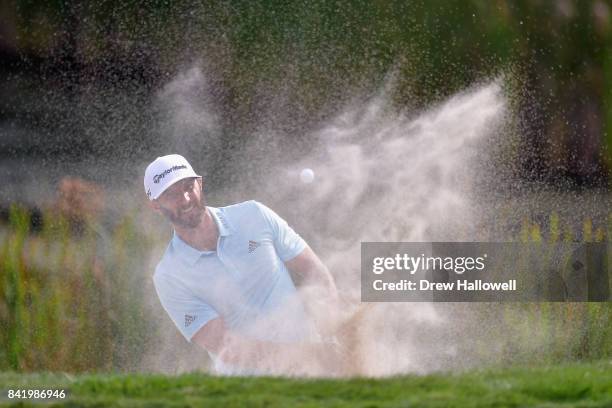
(287, 242)
(188, 313)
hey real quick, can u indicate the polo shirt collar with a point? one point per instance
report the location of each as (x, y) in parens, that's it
(189, 253)
(225, 227)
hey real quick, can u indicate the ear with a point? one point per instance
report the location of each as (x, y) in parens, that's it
(153, 204)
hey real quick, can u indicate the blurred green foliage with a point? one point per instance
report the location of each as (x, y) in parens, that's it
(75, 301)
(72, 302)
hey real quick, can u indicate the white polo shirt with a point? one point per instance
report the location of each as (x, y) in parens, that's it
(245, 281)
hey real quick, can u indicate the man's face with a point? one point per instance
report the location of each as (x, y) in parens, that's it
(183, 203)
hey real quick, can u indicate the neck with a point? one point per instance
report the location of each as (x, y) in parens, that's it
(203, 237)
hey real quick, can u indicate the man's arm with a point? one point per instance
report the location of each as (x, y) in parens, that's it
(308, 271)
(268, 356)
(318, 291)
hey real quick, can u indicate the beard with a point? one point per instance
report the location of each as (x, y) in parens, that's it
(189, 219)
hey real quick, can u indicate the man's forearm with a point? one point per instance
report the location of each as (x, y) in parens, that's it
(266, 356)
(309, 271)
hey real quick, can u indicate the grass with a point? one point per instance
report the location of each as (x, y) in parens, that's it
(573, 385)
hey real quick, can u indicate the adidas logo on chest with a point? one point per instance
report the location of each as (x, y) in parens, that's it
(189, 319)
(253, 245)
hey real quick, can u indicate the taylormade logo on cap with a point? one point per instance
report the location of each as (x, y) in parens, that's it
(157, 177)
(164, 172)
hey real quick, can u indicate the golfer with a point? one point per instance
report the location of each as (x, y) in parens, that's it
(225, 278)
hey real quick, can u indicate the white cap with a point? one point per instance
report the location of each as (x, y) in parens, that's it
(164, 172)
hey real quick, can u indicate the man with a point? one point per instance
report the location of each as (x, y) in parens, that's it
(225, 280)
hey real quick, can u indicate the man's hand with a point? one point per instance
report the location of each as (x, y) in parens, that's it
(326, 359)
(320, 359)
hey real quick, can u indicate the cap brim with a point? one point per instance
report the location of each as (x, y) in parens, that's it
(173, 182)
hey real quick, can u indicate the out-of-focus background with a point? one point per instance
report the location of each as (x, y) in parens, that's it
(90, 92)
(80, 80)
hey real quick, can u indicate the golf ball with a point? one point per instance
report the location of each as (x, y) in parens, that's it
(307, 176)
